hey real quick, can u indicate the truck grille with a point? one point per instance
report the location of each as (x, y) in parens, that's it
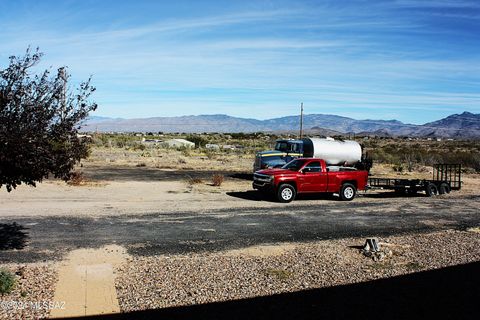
(263, 178)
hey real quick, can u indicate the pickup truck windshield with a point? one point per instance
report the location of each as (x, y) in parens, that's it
(294, 165)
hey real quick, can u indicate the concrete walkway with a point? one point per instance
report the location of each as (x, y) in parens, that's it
(87, 282)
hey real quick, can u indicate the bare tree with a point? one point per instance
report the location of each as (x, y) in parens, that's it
(39, 121)
(409, 159)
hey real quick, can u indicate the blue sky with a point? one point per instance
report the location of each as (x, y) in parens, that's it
(415, 61)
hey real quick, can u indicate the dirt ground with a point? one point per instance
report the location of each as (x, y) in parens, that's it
(130, 182)
(140, 197)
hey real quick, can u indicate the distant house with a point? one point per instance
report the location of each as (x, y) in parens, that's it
(178, 143)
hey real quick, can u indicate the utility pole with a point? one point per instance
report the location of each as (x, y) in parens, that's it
(63, 76)
(301, 120)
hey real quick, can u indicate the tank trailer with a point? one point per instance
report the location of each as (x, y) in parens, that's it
(335, 153)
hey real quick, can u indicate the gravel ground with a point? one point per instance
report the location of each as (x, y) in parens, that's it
(165, 281)
(33, 293)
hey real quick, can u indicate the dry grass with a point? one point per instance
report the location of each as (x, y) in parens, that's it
(280, 274)
(192, 181)
(217, 180)
(76, 179)
(170, 159)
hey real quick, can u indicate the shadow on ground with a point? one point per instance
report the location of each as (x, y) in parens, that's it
(250, 195)
(127, 173)
(254, 195)
(391, 194)
(242, 176)
(449, 293)
(12, 236)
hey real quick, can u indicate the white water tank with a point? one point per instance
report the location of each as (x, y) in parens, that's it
(334, 152)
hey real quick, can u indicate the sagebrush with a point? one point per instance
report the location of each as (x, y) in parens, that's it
(7, 281)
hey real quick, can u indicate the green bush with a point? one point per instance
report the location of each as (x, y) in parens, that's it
(197, 139)
(138, 146)
(411, 154)
(7, 281)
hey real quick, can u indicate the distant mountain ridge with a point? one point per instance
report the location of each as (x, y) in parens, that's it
(464, 125)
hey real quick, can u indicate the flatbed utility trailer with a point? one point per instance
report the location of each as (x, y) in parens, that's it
(446, 177)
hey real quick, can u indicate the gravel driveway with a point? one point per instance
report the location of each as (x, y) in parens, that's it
(199, 230)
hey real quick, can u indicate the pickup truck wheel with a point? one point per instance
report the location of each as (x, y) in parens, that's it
(348, 191)
(286, 193)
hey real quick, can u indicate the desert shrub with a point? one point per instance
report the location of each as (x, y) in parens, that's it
(412, 154)
(398, 168)
(197, 139)
(76, 178)
(182, 161)
(217, 179)
(211, 154)
(121, 141)
(7, 281)
(192, 181)
(138, 146)
(141, 164)
(186, 152)
(410, 159)
(102, 140)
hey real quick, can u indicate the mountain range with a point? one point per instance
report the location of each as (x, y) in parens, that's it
(464, 125)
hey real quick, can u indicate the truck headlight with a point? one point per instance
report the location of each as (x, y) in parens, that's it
(263, 178)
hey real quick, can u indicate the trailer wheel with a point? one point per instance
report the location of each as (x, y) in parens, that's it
(444, 188)
(431, 190)
(348, 191)
(286, 193)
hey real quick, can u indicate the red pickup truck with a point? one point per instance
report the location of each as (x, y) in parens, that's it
(310, 175)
